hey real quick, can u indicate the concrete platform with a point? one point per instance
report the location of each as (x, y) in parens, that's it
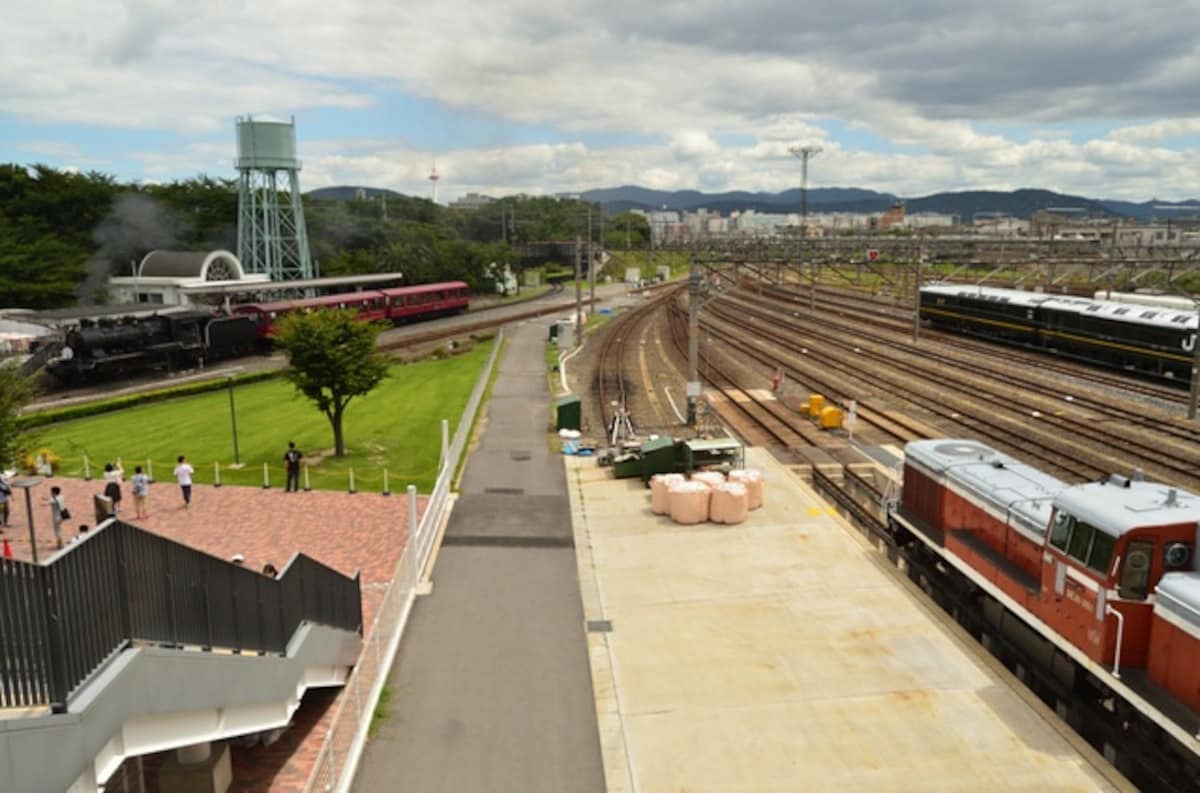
(784, 655)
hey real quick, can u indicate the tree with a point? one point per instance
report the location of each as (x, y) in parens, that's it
(15, 392)
(333, 360)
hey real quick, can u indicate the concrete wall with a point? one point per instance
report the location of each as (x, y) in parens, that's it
(151, 699)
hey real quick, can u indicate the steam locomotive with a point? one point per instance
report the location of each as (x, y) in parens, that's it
(101, 349)
(1154, 340)
(1091, 592)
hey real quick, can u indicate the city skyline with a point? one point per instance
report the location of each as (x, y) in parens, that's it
(929, 97)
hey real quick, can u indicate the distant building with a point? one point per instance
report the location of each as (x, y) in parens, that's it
(169, 277)
(891, 218)
(472, 201)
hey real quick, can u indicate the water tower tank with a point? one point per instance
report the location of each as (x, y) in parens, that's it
(266, 144)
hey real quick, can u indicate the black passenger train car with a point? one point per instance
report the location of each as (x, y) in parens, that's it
(1147, 339)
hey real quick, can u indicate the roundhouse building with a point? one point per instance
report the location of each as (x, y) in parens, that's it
(180, 278)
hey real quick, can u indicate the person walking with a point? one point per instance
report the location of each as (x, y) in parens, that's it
(141, 491)
(183, 475)
(58, 513)
(112, 487)
(292, 459)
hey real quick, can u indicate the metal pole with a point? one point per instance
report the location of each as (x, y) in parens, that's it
(693, 383)
(578, 294)
(237, 457)
(917, 303)
(29, 515)
(591, 262)
(1195, 389)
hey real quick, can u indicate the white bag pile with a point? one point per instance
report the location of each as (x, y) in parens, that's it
(754, 485)
(710, 478)
(729, 503)
(689, 502)
(660, 484)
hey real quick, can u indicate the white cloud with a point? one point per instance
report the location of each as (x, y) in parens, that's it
(920, 77)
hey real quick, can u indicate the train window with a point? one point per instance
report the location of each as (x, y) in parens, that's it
(1135, 571)
(1101, 553)
(1081, 541)
(1061, 530)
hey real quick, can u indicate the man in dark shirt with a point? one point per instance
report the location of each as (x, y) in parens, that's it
(292, 460)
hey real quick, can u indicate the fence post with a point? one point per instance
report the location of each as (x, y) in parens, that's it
(55, 647)
(266, 477)
(216, 474)
(352, 490)
(87, 469)
(149, 471)
(386, 491)
(445, 444)
(307, 484)
(411, 550)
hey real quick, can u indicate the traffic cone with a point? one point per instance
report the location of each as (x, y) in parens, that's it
(8, 554)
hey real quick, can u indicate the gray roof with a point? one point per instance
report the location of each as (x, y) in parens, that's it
(1118, 505)
(1179, 593)
(212, 265)
(1019, 492)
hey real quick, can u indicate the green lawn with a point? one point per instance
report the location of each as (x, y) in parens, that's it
(396, 427)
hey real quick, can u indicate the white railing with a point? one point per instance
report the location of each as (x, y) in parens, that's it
(346, 737)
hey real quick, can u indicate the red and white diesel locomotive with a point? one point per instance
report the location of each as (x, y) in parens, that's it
(1093, 585)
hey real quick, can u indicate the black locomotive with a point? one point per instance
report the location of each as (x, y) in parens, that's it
(102, 349)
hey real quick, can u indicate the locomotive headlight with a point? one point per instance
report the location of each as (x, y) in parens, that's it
(1177, 555)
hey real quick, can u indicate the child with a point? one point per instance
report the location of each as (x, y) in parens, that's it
(58, 513)
(141, 490)
(5, 497)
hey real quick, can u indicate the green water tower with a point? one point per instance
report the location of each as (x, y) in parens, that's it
(272, 237)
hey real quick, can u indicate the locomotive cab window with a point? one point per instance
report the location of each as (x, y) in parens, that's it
(1100, 554)
(1081, 541)
(1060, 532)
(1134, 583)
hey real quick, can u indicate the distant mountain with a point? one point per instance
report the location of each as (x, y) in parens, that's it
(347, 193)
(620, 199)
(1155, 209)
(1018, 203)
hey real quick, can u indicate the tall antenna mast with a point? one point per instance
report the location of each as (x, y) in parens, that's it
(805, 153)
(433, 178)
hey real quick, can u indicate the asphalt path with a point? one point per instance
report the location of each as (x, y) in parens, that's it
(491, 688)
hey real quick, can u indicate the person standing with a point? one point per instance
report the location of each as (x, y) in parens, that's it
(112, 486)
(141, 490)
(58, 513)
(292, 459)
(5, 497)
(183, 475)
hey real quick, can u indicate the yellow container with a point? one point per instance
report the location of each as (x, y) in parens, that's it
(831, 418)
(815, 403)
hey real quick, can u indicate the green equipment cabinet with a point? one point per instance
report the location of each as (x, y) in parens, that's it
(660, 456)
(724, 453)
(568, 412)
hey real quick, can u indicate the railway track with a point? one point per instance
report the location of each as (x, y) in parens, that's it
(611, 383)
(1077, 445)
(1048, 394)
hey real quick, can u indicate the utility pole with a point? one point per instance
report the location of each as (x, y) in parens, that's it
(693, 383)
(804, 153)
(591, 263)
(1195, 389)
(578, 294)
(917, 297)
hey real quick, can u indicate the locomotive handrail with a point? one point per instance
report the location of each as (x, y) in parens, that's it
(62, 622)
(1108, 609)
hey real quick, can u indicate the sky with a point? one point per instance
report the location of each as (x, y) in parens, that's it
(1098, 99)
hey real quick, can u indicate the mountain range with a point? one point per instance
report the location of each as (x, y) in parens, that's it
(966, 204)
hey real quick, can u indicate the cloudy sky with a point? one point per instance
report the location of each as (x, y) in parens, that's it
(542, 97)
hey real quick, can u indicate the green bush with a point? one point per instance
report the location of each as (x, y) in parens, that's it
(55, 415)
